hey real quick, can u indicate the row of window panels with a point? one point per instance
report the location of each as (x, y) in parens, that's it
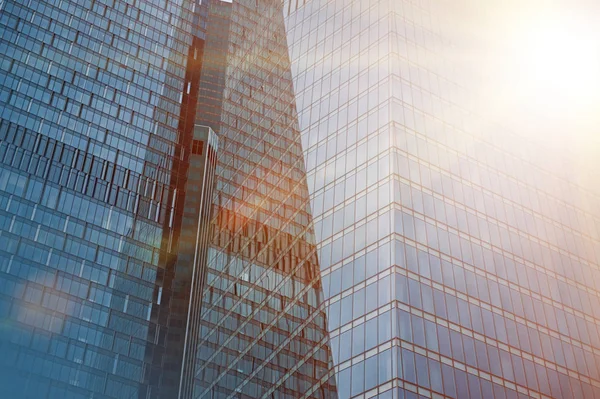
(471, 253)
(87, 209)
(293, 387)
(47, 239)
(466, 282)
(61, 125)
(500, 263)
(129, 155)
(243, 335)
(277, 188)
(36, 316)
(276, 118)
(527, 156)
(260, 350)
(58, 346)
(25, 374)
(260, 281)
(471, 198)
(245, 116)
(265, 156)
(225, 237)
(265, 376)
(248, 297)
(233, 120)
(229, 386)
(417, 229)
(256, 359)
(302, 367)
(265, 254)
(72, 356)
(498, 212)
(271, 160)
(293, 327)
(284, 181)
(452, 382)
(545, 210)
(507, 271)
(503, 163)
(538, 283)
(263, 314)
(293, 209)
(38, 50)
(251, 94)
(63, 53)
(244, 319)
(61, 349)
(284, 244)
(245, 325)
(86, 156)
(82, 279)
(46, 337)
(51, 333)
(460, 311)
(265, 84)
(296, 226)
(505, 167)
(57, 227)
(63, 242)
(110, 20)
(53, 86)
(369, 110)
(68, 296)
(274, 304)
(583, 362)
(460, 347)
(452, 187)
(283, 214)
(349, 148)
(343, 16)
(264, 167)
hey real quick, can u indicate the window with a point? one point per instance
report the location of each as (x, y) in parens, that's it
(197, 147)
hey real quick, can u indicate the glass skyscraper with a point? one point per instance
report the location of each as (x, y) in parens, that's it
(155, 234)
(459, 259)
(263, 328)
(90, 99)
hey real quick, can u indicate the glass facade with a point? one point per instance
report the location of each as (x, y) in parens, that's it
(459, 259)
(156, 239)
(263, 327)
(90, 99)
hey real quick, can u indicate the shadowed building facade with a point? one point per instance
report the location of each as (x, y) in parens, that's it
(151, 167)
(89, 110)
(459, 259)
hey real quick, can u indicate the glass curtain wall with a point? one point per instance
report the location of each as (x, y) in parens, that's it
(90, 99)
(459, 259)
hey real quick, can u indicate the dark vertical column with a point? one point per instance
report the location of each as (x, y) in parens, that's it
(169, 314)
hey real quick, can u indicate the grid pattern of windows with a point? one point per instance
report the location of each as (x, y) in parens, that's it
(90, 98)
(263, 327)
(458, 259)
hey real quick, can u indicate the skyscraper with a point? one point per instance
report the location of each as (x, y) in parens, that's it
(155, 233)
(459, 258)
(89, 106)
(263, 329)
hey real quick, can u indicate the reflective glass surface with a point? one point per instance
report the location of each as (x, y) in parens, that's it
(263, 327)
(90, 97)
(459, 259)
